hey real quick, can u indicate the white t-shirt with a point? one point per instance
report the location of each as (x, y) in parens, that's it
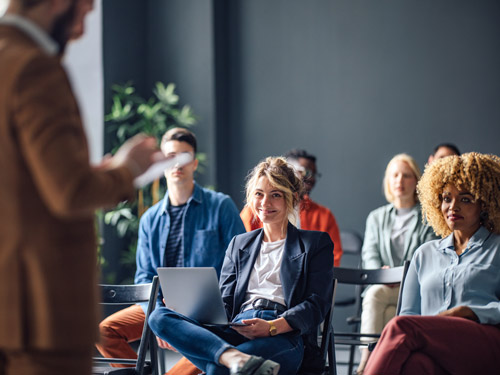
(265, 281)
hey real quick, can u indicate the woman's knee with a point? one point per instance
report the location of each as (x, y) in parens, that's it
(401, 324)
(377, 293)
(160, 318)
(156, 318)
(419, 363)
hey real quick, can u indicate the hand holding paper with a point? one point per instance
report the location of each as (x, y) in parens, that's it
(157, 169)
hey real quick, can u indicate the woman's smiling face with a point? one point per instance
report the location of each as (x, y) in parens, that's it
(268, 203)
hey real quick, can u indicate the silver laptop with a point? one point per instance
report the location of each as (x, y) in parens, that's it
(194, 292)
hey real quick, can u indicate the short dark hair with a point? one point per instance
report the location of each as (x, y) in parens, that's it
(451, 146)
(297, 153)
(181, 135)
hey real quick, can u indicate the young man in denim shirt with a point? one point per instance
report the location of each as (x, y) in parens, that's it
(190, 227)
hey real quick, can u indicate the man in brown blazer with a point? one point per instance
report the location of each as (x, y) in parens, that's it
(48, 194)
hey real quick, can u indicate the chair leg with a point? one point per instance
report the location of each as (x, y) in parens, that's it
(332, 359)
(153, 353)
(162, 360)
(350, 369)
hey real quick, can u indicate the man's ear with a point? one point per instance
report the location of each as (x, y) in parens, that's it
(196, 161)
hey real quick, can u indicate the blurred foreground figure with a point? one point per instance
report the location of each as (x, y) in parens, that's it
(48, 194)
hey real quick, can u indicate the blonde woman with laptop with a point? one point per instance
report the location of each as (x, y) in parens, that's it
(277, 280)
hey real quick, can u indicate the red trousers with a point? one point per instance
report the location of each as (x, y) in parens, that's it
(125, 326)
(435, 345)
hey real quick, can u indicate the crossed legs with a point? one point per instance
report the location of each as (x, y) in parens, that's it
(412, 345)
(203, 347)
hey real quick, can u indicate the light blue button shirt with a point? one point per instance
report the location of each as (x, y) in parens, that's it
(438, 279)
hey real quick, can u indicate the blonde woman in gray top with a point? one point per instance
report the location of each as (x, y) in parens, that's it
(393, 233)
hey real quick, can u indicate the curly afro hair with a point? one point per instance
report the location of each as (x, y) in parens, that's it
(479, 174)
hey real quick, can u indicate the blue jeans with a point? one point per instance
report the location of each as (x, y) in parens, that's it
(203, 345)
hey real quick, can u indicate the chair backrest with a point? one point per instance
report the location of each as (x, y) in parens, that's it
(129, 294)
(373, 276)
(125, 294)
(406, 264)
(369, 276)
(351, 242)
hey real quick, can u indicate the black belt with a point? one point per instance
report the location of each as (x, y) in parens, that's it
(265, 304)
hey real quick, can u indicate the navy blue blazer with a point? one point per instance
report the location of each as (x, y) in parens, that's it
(306, 274)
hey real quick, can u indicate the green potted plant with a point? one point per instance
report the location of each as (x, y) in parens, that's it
(132, 114)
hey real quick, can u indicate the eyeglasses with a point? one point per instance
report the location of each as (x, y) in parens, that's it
(309, 173)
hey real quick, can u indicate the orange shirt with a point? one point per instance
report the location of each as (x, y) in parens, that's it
(313, 216)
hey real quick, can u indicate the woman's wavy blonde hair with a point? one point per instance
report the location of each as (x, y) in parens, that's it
(282, 176)
(478, 174)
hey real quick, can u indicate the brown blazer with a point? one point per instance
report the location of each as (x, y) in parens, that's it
(48, 194)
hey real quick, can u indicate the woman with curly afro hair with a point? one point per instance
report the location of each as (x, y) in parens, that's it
(450, 316)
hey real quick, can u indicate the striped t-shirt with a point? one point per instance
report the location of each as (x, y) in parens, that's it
(174, 250)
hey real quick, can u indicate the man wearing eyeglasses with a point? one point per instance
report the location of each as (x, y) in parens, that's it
(313, 216)
(191, 227)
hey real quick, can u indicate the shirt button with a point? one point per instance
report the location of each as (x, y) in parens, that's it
(448, 284)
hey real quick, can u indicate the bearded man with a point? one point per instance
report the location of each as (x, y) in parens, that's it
(48, 195)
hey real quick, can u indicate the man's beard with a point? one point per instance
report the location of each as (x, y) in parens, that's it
(61, 30)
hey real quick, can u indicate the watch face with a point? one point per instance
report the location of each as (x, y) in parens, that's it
(272, 329)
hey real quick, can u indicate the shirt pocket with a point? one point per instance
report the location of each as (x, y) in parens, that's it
(478, 282)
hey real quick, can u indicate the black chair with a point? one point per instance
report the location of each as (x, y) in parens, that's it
(130, 294)
(325, 342)
(352, 243)
(349, 296)
(363, 278)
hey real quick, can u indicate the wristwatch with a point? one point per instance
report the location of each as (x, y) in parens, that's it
(272, 329)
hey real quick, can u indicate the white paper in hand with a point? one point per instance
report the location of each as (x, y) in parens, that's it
(157, 169)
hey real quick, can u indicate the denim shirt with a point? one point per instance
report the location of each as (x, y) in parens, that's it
(438, 279)
(210, 222)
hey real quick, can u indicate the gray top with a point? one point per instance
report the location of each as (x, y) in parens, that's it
(377, 249)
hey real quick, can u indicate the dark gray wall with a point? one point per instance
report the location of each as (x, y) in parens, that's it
(354, 82)
(180, 40)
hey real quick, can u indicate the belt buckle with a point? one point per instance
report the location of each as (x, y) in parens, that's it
(262, 304)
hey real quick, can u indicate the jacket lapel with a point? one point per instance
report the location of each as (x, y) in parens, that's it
(292, 263)
(247, 254)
